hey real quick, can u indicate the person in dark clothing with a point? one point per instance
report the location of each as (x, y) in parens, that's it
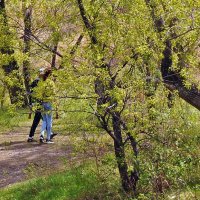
(38, 114)
(36, 121)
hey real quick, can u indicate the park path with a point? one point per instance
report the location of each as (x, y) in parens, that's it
(20, 160)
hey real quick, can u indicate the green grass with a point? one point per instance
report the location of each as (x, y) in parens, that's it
(10, 119)
(74, 184)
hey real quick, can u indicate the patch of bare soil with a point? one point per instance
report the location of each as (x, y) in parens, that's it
(20, 160)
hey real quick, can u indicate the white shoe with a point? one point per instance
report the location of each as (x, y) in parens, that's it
(49, 142)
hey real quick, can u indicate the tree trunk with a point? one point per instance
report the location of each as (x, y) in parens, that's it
(53, 60)
(173, 80)
(26, 63)
(120, 154)
(128, 181)
(11, 69)
(3, 97)
(2, 10)
(90, 28)
(14, 91)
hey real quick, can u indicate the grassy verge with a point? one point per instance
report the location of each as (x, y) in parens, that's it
(74, 184)
(82, 183)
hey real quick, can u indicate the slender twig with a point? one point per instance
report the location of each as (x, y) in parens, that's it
(75, 97)
(44, 45)
(184, 33)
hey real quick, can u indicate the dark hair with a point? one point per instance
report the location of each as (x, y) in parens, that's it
(46, 74)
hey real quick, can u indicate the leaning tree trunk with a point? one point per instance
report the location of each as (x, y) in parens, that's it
(173, 80)
(11, 69)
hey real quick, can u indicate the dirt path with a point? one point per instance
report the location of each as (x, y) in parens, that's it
(20, 160)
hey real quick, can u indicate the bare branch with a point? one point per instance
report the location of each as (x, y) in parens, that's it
(46, 46)
(184, 33)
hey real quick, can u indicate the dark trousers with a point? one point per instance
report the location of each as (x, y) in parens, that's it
(36, 120)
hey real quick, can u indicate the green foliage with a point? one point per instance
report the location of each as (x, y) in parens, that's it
(171, 153)
(126, 62)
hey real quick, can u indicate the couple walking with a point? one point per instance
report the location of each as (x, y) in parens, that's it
(41, 99)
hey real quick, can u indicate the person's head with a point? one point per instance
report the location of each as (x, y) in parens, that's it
(41, 71)
(44, 72)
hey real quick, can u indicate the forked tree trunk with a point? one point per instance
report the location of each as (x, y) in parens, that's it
(129, 181)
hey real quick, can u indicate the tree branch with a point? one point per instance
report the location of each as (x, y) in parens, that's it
(86, 21)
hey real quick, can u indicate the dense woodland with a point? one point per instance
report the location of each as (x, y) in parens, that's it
(128, 70)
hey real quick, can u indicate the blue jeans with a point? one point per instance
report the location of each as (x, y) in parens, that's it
(47, 119)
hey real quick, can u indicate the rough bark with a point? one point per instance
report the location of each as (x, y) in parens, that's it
(120, 153)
